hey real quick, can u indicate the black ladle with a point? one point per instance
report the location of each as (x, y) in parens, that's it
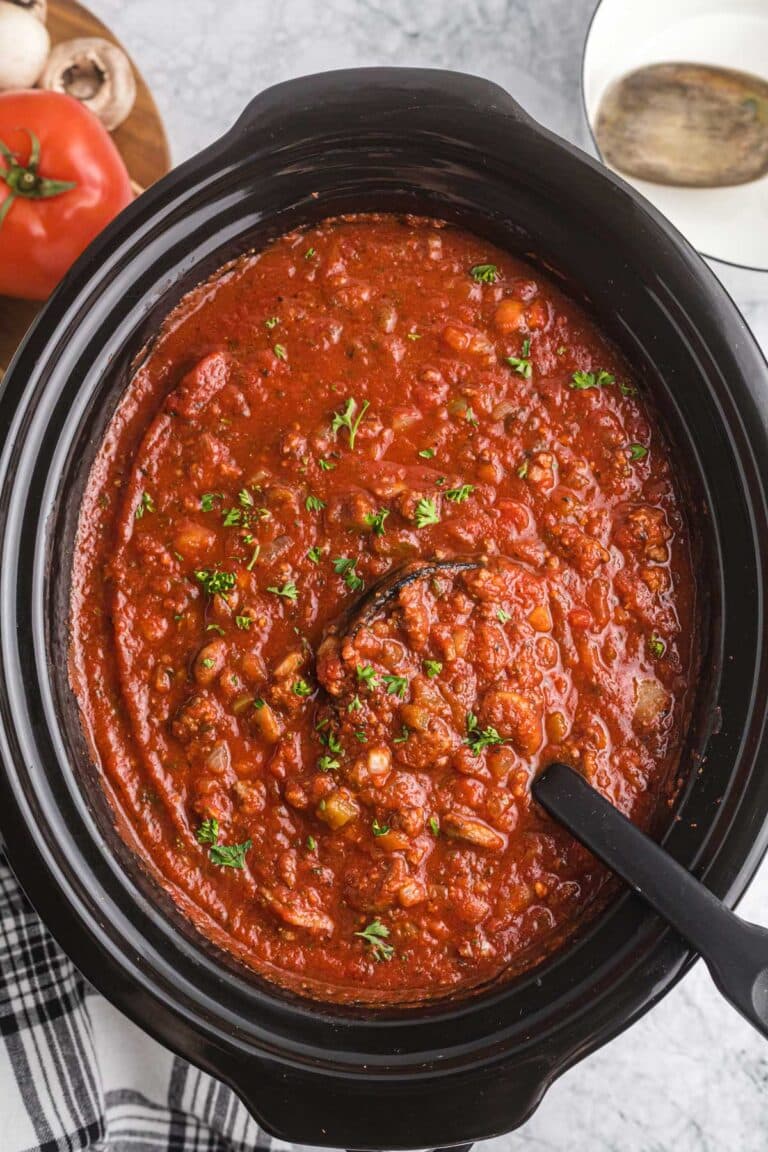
(735, 951)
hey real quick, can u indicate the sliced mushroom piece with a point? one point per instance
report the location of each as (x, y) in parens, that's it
(24, 46)
(37, 8)
(474, 831)
(95, 72)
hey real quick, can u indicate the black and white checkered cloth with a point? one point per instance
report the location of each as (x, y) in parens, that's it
(76, 1074)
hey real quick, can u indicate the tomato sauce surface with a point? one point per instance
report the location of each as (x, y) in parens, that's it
(341, 800)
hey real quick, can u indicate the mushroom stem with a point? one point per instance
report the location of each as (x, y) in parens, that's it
(95, 72)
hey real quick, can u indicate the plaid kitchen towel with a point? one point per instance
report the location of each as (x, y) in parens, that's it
(76, 1074)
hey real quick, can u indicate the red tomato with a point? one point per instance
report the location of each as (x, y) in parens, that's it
(61, 181)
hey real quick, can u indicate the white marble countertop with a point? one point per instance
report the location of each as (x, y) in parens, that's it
(690, 1076)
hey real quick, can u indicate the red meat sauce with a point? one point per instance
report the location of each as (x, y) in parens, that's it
(341, 797)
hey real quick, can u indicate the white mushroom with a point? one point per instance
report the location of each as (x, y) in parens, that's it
(24, 47)
(95, 72)
(38, 8)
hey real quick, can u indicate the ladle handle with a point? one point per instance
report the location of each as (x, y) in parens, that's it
(736, 952)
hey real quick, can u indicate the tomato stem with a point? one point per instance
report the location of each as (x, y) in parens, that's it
(22, 179)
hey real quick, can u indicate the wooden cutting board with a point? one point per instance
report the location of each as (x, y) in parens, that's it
(141, 140)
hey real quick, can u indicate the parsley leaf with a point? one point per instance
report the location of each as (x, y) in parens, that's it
(503, 616)
(404, 734)
(396, 685)
(345, 566)
(327, 764)
(315, 554)
(208, 500)
(427, 453)
(433, 668)
(310, 252)
(280, 351)
(272, 322)
(523, 470)
(480, 738)
(367, 675)
(458, 495)
(580, 381)
(426, 513)
(230, 855)
(245, 498)
(637, 451)
(327, 465)
(301, 688)
(208, 832)
(311, 843)
(355, 704)
(289, 590)
(522, 364)
(243, 622)
(374, 935)
(379, 829)
(350, 419)
(215, 582)
(145, 504)
(375, 520)
(314, 504)
(434, 826)
(656, 647)
(232, 516)
(484, 273)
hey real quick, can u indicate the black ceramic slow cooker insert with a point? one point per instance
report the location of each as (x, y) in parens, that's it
(456, 147)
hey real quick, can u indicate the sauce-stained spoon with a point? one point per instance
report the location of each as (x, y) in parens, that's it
(735, 951)
(692, 125)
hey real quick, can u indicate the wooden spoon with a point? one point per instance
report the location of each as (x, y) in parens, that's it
(686, 124)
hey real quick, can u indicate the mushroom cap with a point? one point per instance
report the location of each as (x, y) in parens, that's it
(97, 73)
(36, 8)
(24, 47)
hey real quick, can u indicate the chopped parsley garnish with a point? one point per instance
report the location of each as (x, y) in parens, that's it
(231, 517)
(310, 252)
(637, 451)
(314, 504)
(523, 470)
(396, 685)
(367, 675)
(272, 322)
(414, 336)
(375, 935)
(311, 843)
(434, 826)
(503, 616)
(327, 465)
(280, 351)
(355, 704)
(243, 622)
(580, 381)
(208, 500)
(350, 419)
(404, 734)
(146, 504)
(254, 558)
(470, 417)
(215, 582)
(215, 628)
(627, 389)
(301, 688)
(426, 513)
(345, 566)
(480, 738)
(522, 363)
(245, 498)
(315, 554)
(208, 832)
(484, 273)
(379, 829)
(289, 591)
(433, 668)
(230, 855)
(459, 495)
(259, 703)
(333, 743)
(208, 662)
(427, 453)
(656, 647)
(375, 521)
(361, 737)
(225, 855)
(327, 764)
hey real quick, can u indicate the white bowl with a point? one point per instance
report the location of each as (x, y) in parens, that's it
(728, 224)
